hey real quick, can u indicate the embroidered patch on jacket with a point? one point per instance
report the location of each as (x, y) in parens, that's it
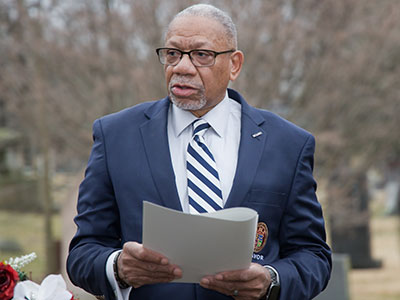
(261, 237)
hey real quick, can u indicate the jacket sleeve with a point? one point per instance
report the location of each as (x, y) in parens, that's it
(305, 263)
(98, 229)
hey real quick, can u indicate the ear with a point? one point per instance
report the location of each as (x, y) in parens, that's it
(236, 63)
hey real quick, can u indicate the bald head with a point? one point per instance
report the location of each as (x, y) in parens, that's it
(213, 13)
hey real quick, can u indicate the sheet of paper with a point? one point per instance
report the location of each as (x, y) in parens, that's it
(202, 244)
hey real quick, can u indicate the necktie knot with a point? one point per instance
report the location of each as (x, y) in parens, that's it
(200, 127)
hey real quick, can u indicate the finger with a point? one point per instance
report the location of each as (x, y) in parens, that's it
(227, 286)
(151, 278)
(132, 264)
(156, 269)
(139, 281)
(253, 272)
(230, 275)
(141, 253)
(236, 276)
(252, 283)
(229, 290)
(138, 276)
(245, 290)
(135, 257)
(223, 290)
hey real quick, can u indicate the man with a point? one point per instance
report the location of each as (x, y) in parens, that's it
(261, 161)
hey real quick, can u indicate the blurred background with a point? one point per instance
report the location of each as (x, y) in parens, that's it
(332, 67)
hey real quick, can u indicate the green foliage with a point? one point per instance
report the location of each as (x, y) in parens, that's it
(22, 275)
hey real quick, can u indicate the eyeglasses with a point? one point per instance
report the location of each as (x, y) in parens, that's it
(199, 57)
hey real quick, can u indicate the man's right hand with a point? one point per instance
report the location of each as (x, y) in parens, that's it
(138, 266)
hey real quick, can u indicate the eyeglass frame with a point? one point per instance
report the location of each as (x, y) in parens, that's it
(215, 53)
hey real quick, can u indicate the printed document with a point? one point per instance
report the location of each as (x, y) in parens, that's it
(203, 244)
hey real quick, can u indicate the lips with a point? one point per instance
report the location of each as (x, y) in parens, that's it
(183, 90)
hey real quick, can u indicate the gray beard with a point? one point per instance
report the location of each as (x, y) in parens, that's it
(195, 105)
(191, 105)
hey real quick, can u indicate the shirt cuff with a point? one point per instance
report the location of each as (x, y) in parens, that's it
(120, 294)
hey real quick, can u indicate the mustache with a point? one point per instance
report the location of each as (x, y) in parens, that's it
(183, 80)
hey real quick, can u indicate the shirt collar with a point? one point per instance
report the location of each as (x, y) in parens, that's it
(217, 117)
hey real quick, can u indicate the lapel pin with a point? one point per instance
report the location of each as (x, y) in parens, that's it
(256, 134)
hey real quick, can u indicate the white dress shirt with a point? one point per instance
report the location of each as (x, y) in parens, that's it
(222, 139)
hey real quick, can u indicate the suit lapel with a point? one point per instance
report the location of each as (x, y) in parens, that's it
(252, 142)
(155, 140)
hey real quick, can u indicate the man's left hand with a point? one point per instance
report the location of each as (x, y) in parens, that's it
(248, 284)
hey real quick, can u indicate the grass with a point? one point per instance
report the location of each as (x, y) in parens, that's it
(27, 230)
(382, 283)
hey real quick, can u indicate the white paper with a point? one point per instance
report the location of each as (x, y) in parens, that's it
(203, 244)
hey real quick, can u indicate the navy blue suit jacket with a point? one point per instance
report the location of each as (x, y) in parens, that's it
(130, 162)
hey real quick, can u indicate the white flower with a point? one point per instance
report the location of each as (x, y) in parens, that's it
(18, 262)
(53, 287)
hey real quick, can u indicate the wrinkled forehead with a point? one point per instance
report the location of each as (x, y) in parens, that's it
(196, 32)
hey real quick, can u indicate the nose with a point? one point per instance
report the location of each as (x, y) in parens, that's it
(185, 66)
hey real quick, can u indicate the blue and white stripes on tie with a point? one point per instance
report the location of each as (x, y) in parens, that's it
(204, 187)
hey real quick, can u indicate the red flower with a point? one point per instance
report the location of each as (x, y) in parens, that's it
(8, 280)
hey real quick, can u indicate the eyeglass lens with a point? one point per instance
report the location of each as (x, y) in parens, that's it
(198, 57)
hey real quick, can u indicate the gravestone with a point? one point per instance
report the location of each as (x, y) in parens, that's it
(349, 224)
(338, 286)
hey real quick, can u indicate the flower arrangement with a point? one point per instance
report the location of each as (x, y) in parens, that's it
(11, 272)
(15, 285)
(8, 280)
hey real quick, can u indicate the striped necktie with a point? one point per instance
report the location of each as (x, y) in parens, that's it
(204, 187)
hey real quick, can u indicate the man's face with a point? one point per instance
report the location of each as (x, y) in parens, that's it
(197, 89)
